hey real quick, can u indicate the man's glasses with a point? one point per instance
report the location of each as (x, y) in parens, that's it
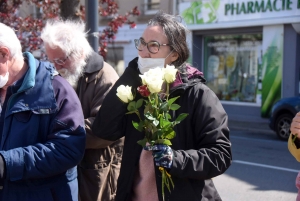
(152, 46)
(61, 61)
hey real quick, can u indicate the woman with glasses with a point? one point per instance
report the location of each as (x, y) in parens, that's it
(201, 149)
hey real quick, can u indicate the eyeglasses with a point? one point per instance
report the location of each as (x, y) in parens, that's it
(61, 61)
(152, 46)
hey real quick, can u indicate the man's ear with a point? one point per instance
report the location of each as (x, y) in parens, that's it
(4, 52)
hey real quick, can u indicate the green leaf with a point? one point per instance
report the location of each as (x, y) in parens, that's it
(164, 123)
(139, 103)
(170, 134)
(147, 108)
(142, 142)
(168, 116)
(181, 117)
(157, 134)
(172, 100)
(131, 106)
(130, 112)
(151, 142)
(155, 122)
(149, 116)
(164, 107)
(137, 126)
(174, 107)
(163, 141)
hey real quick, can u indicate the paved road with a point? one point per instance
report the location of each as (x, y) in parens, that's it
(262, 169)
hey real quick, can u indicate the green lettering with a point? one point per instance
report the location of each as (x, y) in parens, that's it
(250, 7)
(258, 7)
(268, 6)
(298, 5)
(243, 9)
(275, 6)
(227, 8)
(288, 5)
(235, 8)
(283, 4)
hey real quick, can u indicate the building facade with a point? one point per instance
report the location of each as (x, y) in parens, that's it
(249, 50)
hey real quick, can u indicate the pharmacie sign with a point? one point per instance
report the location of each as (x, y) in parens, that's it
(228, 11)
(249, 7)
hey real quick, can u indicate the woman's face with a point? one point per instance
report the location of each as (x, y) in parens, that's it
(155, 33)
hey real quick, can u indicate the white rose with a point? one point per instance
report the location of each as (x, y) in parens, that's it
(169, 73)
(153, 79)
(124, 93)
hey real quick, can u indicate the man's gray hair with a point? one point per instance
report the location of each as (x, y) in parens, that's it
(9, 39)
(69, 36)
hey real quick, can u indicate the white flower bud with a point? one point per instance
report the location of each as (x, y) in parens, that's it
(124, 93)
(153, 79)
(169, 73)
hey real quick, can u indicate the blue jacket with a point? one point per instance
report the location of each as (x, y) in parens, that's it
(43, 137)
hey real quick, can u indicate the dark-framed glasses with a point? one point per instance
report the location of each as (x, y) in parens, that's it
(152, 46)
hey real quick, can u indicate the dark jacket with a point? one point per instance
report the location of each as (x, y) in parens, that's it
(202, 149)
(43, 137)
(100, 167)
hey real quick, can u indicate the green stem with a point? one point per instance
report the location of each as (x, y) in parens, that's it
(294, 137)
(167, 92)
(138, 114)
(156, 104)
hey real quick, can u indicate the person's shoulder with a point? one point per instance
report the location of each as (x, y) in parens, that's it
(108, 71)
(199, 87)
(194, 73)
(107, 67)
(132, 66)
(61, 84)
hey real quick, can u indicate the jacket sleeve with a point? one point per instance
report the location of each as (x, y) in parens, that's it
(109, 122)
(293, 149)
(63, 147)
(211, 155)
(104, 82)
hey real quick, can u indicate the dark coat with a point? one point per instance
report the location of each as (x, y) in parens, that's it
(43, 137)
(100, 167)
(201, 148)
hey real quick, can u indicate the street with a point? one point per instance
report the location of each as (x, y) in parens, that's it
(262, 169)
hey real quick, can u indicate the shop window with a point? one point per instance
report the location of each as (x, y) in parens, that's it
(232, 66)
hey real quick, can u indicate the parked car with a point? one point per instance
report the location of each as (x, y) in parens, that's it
(282, 114)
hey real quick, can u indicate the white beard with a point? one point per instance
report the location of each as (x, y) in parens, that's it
(72, 76)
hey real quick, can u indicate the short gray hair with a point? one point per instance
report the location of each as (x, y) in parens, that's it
(9, 39)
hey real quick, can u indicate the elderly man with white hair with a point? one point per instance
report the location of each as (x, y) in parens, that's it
(68, 49)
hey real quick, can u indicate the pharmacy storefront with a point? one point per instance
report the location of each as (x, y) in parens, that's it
(248, 50)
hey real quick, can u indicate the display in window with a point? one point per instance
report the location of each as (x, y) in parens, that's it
(231, 66)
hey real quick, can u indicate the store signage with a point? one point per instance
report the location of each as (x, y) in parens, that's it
(258, 6)
(213, 13)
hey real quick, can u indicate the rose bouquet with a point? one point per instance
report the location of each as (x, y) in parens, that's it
(157, 123)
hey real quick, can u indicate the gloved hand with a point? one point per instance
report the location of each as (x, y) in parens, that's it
(162, 154)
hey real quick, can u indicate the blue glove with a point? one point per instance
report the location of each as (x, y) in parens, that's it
(162, 154)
